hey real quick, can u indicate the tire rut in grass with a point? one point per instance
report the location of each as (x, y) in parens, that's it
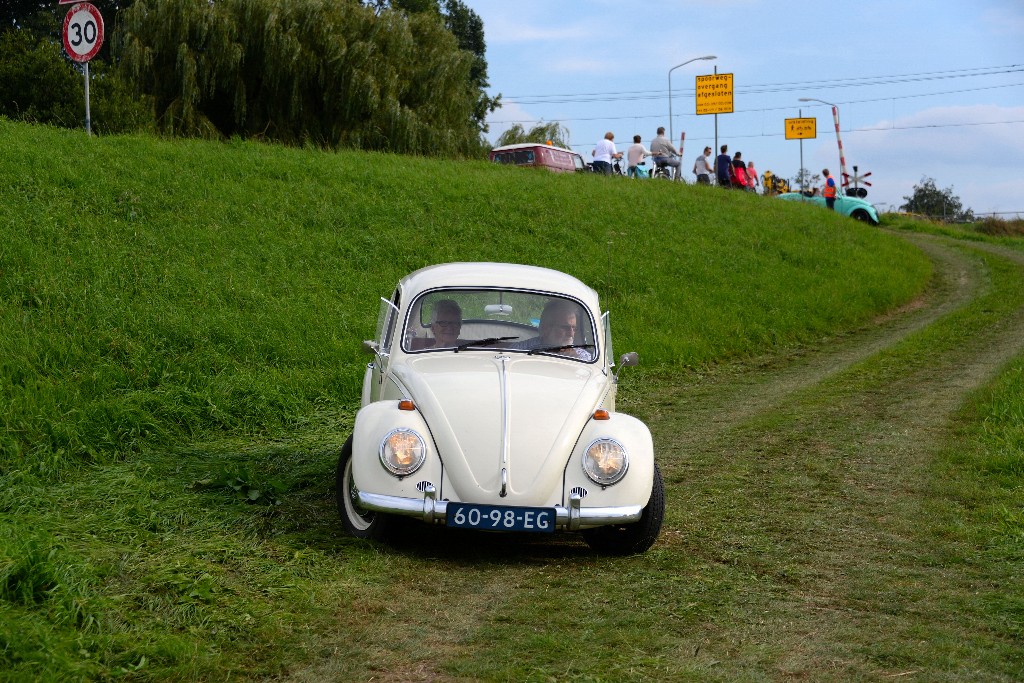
(708, 404)
(834, 477)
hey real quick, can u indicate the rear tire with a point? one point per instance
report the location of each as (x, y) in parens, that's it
(863, 216)
(629, 539)
(356, 521)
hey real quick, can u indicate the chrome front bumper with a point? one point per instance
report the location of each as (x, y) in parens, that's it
(431, 510)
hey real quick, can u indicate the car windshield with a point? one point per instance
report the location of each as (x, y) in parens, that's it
(461, 320)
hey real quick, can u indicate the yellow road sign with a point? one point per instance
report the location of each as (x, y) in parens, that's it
(714, 94)
(801, 129)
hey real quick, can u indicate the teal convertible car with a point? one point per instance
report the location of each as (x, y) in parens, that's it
(847, 206)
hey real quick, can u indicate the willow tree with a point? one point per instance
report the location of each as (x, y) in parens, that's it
(552, 132)
(331, 72)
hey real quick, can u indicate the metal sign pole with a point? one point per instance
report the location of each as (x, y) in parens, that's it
(802, 174)
(88, 120)
(715, 151)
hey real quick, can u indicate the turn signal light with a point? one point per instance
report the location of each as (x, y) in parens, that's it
(406, 404)
(602, 414)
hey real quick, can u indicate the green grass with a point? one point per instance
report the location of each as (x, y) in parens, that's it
(180, 325)
(992, 230)
(154, 291)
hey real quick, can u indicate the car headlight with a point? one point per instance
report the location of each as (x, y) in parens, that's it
(605, 461)
(402, 452)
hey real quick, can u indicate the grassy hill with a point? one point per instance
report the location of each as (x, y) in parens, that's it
(180, 326)
(155, 291)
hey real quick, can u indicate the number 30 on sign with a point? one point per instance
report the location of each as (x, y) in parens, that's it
(83, 32)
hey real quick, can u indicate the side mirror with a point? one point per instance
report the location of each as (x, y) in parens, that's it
(627, 359)
(371, 346)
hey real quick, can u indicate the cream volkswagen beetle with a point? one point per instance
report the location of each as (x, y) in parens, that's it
(490, 404)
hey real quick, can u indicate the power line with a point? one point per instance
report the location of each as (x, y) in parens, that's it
(634, 95)
(734, 136)
(788, 107)
(806, 84)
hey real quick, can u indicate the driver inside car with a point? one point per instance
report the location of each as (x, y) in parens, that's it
(558, 325)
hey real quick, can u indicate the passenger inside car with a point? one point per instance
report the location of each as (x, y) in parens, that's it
(445, 325)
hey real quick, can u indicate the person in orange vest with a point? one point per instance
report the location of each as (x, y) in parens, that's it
(830, 190)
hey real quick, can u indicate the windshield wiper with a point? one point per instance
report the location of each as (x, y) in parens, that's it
(551, 349)
(482, 342)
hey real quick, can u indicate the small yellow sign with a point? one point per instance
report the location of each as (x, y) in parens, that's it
(714, 94)
(801, 129)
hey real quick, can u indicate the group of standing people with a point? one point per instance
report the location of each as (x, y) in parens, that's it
(729, 171)
(662, 151)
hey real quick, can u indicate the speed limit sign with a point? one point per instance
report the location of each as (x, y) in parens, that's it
(83, 32)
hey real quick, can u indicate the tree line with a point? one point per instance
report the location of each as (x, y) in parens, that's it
(403, 76)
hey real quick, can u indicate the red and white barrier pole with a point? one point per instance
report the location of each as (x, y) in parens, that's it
(682, 141)
(842, 156)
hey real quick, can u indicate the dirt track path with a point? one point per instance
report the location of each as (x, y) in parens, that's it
(848, 447)
(797, 489)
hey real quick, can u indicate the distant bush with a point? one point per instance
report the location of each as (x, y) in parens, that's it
(929, 200)
(999, 227)
(38, 84)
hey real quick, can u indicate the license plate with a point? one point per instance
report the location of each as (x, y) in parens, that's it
(500, 517)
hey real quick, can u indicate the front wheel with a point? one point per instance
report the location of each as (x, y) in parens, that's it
(628, 539)
(356, 521)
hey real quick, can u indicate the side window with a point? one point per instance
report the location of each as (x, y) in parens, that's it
(524, 157)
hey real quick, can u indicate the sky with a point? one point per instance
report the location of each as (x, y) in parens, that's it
(923, 89)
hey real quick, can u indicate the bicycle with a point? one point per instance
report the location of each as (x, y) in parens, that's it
(661, 170)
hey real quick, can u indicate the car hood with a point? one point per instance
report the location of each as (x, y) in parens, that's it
(513, 412)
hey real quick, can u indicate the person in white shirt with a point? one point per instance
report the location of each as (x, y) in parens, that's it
(603, 154)
(665, 153)
(634, 155)
(702, 167)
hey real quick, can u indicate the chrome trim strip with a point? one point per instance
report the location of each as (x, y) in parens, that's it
(431, 510)
(506, 406)
(401, 389)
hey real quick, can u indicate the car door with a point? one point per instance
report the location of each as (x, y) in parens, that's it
(377, 370)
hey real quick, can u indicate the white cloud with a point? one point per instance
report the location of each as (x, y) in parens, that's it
(969, 148)
(1004, 20)
(506, 30)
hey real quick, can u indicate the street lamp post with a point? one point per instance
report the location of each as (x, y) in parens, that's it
(671, 134)
(835, 117)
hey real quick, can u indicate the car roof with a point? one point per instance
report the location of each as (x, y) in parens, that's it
(531, 145)
(487, 275)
